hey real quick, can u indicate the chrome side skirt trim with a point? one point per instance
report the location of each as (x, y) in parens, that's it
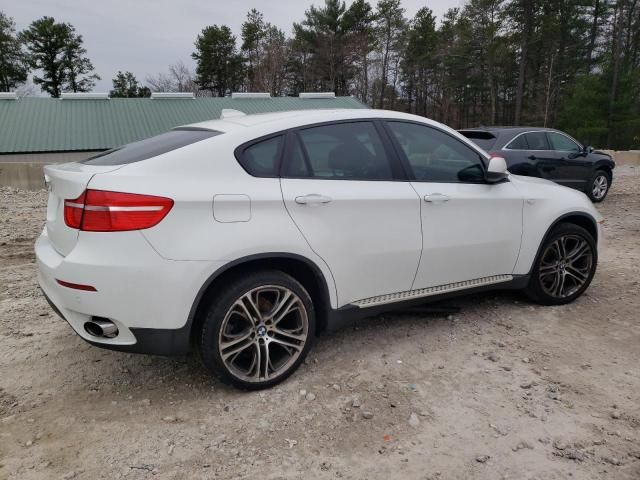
(430, 291)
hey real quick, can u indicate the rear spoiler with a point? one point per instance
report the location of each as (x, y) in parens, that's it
(477, 134)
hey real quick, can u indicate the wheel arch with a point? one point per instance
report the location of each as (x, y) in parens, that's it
(606, 166)
(582, 219)
(301, 268)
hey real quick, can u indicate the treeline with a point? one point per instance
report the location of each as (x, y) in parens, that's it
(570, 64)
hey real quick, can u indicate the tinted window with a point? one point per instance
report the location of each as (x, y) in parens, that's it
(518, 143)
(537, 141)
(261, 159)
(340, 151)
(150, 147)
(436, 156)
(562, 143)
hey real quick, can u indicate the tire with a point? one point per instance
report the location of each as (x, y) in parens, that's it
(599, 186)
(559, 260)
(239, 346)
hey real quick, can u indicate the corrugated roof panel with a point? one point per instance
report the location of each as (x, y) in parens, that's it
(50, 125)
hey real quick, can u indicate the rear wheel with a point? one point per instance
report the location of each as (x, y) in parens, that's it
(258, 330)
(565, 266)
(599, 186)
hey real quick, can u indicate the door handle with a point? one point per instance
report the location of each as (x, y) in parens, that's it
(436, 198)
(531, 157)
(312, 199)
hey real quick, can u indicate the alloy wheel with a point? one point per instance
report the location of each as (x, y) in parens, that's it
(565, 266)
(263, 333)
(600, 187)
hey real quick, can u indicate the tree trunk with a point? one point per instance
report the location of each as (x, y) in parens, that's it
(524, 50)
(617, 54)
(594, 34)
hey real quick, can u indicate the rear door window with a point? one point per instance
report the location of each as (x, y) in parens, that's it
(518, 143)
(151, 147)
(343, 151)
(537, 141)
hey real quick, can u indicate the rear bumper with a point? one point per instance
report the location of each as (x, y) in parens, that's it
(147, 297)
(151, 341)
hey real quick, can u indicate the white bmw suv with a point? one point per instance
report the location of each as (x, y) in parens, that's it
(246, 236)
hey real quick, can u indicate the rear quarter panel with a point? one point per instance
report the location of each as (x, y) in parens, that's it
(192, 176)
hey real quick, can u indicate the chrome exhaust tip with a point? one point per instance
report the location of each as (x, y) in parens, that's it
(101, 328)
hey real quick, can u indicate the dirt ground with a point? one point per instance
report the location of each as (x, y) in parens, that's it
(501, 390)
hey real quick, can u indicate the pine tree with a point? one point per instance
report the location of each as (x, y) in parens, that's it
(13, 61)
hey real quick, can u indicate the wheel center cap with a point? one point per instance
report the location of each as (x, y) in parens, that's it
(562, 265)
(261, 330)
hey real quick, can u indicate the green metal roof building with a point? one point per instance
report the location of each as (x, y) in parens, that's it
(38, 131)
(86, 123)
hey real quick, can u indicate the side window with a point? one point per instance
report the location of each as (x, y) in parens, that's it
(349, 151)
(261, 159)
(562, 143)
(518, 143)
(435, 156)
(537, 141)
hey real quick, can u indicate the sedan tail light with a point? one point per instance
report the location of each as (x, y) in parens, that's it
(103, 211)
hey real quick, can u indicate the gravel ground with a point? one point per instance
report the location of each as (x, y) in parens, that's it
(502, 389)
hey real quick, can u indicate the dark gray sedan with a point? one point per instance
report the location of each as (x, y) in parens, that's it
(550, 154)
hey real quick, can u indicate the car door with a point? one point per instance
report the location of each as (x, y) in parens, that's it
(471, 229)
(516, 153)
(575, 168)
(546, 162)
(343, 188)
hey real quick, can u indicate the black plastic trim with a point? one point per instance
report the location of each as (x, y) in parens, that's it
(350, 313)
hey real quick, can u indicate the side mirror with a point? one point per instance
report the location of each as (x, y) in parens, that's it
(497, 170)
(588, 150)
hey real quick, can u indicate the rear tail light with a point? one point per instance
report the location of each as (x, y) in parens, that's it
(103, 211)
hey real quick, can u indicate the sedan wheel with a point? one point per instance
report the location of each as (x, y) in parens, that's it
(599, 186)
(258, 329)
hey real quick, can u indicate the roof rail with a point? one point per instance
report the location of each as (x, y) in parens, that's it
(84, 96)
(162, 95)
(8, 96)
(250, 95)
(316, 95)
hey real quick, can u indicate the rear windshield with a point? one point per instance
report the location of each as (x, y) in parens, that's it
(150, 147)
(485, 140)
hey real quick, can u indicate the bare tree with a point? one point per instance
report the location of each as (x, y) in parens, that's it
(179, 78)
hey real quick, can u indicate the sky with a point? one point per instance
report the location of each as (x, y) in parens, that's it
(146, 36)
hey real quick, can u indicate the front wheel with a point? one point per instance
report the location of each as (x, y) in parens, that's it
(258, 330)
(565, 266)
(599, 186)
